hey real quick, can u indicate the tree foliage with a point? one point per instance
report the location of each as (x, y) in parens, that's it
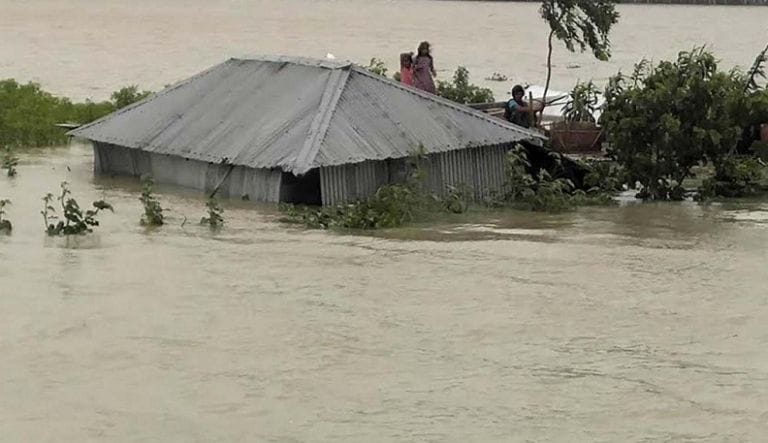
(582, 103)
(377, 67)
(663, 120)
(29, 114)
(461, 90)
(128, 95)
(580, 25)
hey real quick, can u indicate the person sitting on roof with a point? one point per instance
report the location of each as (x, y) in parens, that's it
(516, 110)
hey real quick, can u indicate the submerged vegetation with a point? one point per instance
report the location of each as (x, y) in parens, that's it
(665, 120)
(393, 205)
(9, 161)
(75, 220)
(153, 212)
(667, 124)
(215, 218)
(28, 114)
(5, 225)
(544, 190)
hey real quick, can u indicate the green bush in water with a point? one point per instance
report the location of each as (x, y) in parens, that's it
(153, 212)
(392, 206)
(10, 161)
(215, 219)
(542, 190)
(734, 177)
(5, 225)
(664, 120)
(76, 221)
(28, 114)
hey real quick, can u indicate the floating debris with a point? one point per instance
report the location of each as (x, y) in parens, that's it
(497, 77)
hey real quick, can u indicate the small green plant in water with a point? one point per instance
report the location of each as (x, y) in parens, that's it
(215, 218)
(76, 221)
(5, 225)
(10, 161)
(153, 212)
(457, 198)
(540, 191)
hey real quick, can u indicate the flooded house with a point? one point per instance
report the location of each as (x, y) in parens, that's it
(297, 130)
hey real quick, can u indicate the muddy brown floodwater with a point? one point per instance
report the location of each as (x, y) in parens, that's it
(642, 322)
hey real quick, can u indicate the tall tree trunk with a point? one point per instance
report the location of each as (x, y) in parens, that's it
(549, 72)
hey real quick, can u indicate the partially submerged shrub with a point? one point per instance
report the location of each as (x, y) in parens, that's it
(5, 225)
(10, 161)
(457, 198)
(28, 115)
(540, 190)
(75, 220)
(153, 212)
(215, 218)
(734, 177)
(461, 91)
(391, 206)
(394, 205)
(666, 119)
(605, 176)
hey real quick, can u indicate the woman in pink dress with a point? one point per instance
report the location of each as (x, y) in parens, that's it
(406, 68)
(424, 69)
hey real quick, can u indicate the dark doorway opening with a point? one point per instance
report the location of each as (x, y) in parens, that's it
(304, 189)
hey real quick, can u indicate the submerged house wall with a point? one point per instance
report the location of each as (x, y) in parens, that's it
(232, 181)
(481, 169)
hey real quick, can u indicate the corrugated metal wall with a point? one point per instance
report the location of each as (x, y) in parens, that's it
(340, 184)
(237, 181)
(480, 169)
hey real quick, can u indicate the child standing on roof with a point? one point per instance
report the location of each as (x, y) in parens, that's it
(406, 68)
(424, 69)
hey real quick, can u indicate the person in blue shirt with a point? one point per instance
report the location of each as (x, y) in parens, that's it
(518, 111)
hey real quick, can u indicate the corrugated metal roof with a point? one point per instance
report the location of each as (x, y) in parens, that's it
(296, 114)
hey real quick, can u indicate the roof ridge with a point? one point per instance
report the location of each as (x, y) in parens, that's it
(445, 102)
(319, 128)
(297, 60)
